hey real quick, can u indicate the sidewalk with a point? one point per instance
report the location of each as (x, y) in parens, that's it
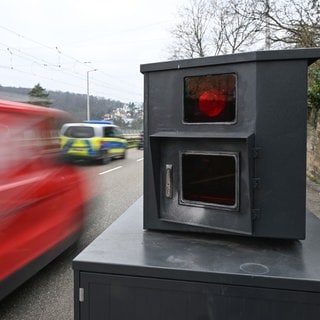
(313, 197)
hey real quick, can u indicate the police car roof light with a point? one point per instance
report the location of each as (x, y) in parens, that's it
(98, 121)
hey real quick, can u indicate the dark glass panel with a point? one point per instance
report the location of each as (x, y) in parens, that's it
(209, 178)
(210, 98)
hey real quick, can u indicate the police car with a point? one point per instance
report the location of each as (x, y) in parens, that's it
(92, 140)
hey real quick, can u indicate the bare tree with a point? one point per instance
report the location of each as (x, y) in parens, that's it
(212, 27)
(291, 23)
(238, 32)
(190, 33)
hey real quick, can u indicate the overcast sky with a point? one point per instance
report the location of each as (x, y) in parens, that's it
(55, 43)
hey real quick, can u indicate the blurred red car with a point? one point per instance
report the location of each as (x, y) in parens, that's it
(42, 200)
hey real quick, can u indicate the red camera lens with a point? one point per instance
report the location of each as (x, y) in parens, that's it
(212, 102)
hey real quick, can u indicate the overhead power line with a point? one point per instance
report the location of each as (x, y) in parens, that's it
(59, 66)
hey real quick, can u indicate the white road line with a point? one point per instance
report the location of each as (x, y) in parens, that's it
(116, 168)
(139, 160)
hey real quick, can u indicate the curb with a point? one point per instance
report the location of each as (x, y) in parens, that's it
(314, 186)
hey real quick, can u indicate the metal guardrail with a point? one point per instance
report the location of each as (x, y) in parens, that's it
(132, 140)
(131, 132)
(132, 137)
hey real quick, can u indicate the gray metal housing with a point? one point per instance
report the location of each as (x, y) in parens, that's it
(269, 135)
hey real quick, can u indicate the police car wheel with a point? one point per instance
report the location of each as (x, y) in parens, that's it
(105, 158)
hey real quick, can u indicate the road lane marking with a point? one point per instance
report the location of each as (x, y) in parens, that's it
(116, 168)
(140, 159)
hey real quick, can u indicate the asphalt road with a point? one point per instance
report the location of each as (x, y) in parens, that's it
(49, 294)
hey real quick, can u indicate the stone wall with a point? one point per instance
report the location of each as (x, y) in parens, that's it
(313, 151)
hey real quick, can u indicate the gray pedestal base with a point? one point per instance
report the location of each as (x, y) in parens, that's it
(129, 273)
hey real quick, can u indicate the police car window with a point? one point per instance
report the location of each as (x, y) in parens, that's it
(80, 132)
(118, 133)
(108, 132)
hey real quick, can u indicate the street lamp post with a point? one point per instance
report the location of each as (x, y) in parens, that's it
(88, 94)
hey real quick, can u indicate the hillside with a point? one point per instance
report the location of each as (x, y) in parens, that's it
(73, 103)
